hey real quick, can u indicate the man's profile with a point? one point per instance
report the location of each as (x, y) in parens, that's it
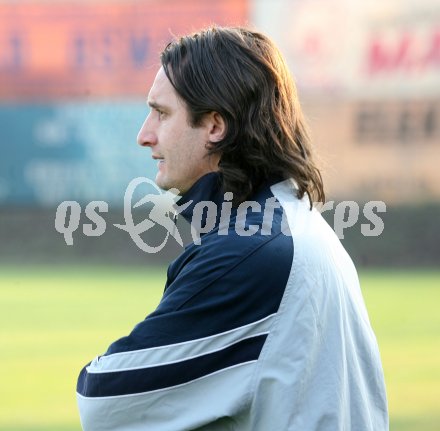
(262, 332)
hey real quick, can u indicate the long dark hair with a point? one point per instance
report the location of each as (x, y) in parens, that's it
(242, 75)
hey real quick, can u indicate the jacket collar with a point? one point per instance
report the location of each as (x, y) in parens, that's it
(209, 189)
(206, 188)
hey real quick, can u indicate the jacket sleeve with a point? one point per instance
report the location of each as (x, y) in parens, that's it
(190, 363)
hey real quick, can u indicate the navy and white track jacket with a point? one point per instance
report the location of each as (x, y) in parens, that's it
(262, 327)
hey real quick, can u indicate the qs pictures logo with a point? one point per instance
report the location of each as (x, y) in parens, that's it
(206, 216)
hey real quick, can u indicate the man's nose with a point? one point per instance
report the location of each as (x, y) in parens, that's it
(146, 136)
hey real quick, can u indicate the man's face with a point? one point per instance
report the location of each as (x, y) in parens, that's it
(179, 148)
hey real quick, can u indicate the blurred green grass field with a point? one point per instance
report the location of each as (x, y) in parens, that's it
(54, 321)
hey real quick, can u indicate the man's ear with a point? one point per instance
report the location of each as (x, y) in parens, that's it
(216, 126)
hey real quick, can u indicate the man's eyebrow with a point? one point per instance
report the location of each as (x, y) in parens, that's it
(156, 105)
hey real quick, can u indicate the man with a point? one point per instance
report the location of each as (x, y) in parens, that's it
(262, 325)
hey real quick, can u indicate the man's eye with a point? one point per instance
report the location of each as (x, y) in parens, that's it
(160, 113)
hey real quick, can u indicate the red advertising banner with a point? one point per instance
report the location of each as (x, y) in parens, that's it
(75, 50)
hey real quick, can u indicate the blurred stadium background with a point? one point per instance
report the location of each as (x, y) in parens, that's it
(74, 76)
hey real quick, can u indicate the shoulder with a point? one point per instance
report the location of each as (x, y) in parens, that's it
(236, 247)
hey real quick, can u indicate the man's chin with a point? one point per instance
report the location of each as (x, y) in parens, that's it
(162, 182)
(170, 186)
